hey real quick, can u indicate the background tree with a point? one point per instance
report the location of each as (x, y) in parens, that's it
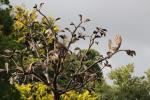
(8, 91)
(6, 20)
(128, 87)
(6, 27)
(43, 57)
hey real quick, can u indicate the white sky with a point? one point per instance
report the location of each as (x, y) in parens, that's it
(130, 18)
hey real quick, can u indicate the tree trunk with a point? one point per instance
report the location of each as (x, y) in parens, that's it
(56, 96)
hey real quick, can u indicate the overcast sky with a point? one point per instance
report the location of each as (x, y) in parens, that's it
(129, 18)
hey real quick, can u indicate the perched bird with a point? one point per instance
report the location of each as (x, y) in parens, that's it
(113, 48)
(60, 48)
(110, 47)
(53, 55)
(118, 40)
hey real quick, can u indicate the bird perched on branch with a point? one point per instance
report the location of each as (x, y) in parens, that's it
(114, 47)
(53, 55)
(58, 52)
(60, 48)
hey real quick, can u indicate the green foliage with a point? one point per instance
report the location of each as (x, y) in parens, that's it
(6, 28)
(122, 74)
(4, 2)
(35, 91)
(7, 91)
(129, 87)
(91, 54)
(85, 95)
(104, 90)
(39, 91)
(6, 20)
(148, 74)
(7, 42)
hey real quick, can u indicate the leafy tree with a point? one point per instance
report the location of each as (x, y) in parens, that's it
(6, 28)
(46, 55)
(128, 87)
(7, 91)
(105, 91)
(6, 20)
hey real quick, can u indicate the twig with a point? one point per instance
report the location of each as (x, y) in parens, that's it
(76, 28)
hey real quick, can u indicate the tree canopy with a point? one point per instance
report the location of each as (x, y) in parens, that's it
(38, 52)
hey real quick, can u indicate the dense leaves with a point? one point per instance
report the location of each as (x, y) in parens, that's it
(39, 91)
(126, 86)
(6, 20)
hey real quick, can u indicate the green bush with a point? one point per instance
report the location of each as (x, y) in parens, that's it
(39, 91)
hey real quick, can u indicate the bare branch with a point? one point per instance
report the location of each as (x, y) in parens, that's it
(100, 60)
(72, 35)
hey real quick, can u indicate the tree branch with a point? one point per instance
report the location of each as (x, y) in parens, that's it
(100, 60)
(76, 28)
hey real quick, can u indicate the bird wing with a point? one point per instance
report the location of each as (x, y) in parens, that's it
(109, 44)
(118, 40)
